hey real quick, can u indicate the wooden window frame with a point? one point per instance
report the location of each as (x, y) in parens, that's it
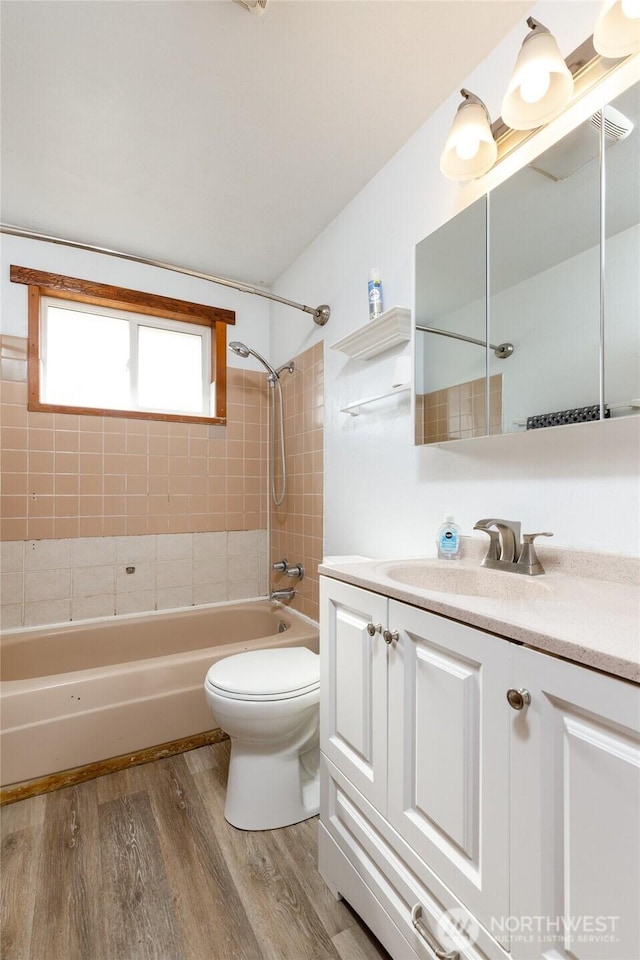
(51, 285)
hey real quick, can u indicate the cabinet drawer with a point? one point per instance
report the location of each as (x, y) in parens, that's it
(347, 818)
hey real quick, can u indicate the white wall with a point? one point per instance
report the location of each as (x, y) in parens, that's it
(252, 313)
(383, 496)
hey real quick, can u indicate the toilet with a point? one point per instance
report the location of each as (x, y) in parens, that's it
(268, 703)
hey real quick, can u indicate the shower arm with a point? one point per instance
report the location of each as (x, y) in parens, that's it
(320, 314)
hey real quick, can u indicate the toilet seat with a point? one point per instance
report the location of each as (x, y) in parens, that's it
(277, 674)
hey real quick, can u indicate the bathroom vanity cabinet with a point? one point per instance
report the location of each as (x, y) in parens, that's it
(457, 825)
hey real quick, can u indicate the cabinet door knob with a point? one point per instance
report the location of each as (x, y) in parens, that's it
(518, 698)
(390, 637)
(373, 628)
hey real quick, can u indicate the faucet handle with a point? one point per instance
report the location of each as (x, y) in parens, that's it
(528, 560)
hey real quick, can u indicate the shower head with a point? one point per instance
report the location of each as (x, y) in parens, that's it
(242, 350)
(239, 349)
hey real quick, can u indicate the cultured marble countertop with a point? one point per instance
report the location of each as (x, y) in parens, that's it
(585, 608)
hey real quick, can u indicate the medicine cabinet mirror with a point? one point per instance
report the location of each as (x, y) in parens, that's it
(519, 270)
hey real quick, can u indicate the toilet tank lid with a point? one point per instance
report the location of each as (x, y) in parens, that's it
(266, 672)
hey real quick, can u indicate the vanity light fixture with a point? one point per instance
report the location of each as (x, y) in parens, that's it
(541, 85)
(617, 29)
(470, 150)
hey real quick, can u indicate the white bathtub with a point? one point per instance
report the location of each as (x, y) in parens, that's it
(78, 693)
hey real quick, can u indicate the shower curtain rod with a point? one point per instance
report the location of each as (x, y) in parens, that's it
(320, 314)
(501, 350)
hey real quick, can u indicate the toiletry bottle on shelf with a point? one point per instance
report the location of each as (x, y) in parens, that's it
(375, 294)
(448, 539)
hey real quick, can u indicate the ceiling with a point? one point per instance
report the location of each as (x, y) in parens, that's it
(198, 133)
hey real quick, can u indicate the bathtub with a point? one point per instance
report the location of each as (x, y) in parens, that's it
(77, 693)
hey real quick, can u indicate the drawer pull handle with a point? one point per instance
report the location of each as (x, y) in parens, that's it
(427, 936)
(373, 628)
(390, 636)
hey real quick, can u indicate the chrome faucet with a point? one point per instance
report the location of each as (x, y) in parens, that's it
(281, 595)
(506, 550)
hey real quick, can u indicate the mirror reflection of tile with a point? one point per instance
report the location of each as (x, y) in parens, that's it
(458, 412)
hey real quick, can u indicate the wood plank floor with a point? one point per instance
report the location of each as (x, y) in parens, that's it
(142, 865)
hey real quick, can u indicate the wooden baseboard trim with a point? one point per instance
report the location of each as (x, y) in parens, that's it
(66, 778)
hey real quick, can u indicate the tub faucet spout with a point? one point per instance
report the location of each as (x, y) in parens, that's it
(282, 595)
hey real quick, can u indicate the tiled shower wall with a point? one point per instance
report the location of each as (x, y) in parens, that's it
(50, 581)
(113, 479)
(297, 525)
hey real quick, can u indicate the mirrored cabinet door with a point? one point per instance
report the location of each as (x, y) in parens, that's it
(622, 255)
(451, 267)
(544, 285)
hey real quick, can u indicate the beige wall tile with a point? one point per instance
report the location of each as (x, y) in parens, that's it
(11, 587)
(93, 551)
(85, 608)
(210, 545)
(243, 543)
(93, 581)
(13, 438)
(47, 554)
(209, 570)
(173, 573)
(244, 589)
(15, 461)
(90, 527)
(40, 528)
(47, 585)
(174, 546)
(209, 592)
(13, 393)
(136, 525)
(11, 616)
(46, 611)
(143, 577)
(12, 556)
(171, 597)
(41, 461)
(243, 568)
(139, 602)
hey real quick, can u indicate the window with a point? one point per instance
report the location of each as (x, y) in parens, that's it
(100, 349)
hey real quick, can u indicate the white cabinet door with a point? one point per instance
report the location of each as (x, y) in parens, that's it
(353, 686)
(448, 754)
(575, 807)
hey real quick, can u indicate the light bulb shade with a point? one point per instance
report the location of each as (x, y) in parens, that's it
(616, 33)
(539, 66)
(470, 150)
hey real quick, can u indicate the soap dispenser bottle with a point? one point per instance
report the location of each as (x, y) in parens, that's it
(448, 539)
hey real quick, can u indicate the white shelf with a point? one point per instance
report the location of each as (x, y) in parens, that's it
(391, 328)
(354, 408)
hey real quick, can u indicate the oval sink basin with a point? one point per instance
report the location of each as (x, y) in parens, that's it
(469, 581)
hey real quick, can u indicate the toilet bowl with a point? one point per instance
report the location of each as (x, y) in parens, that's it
(267, 702)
